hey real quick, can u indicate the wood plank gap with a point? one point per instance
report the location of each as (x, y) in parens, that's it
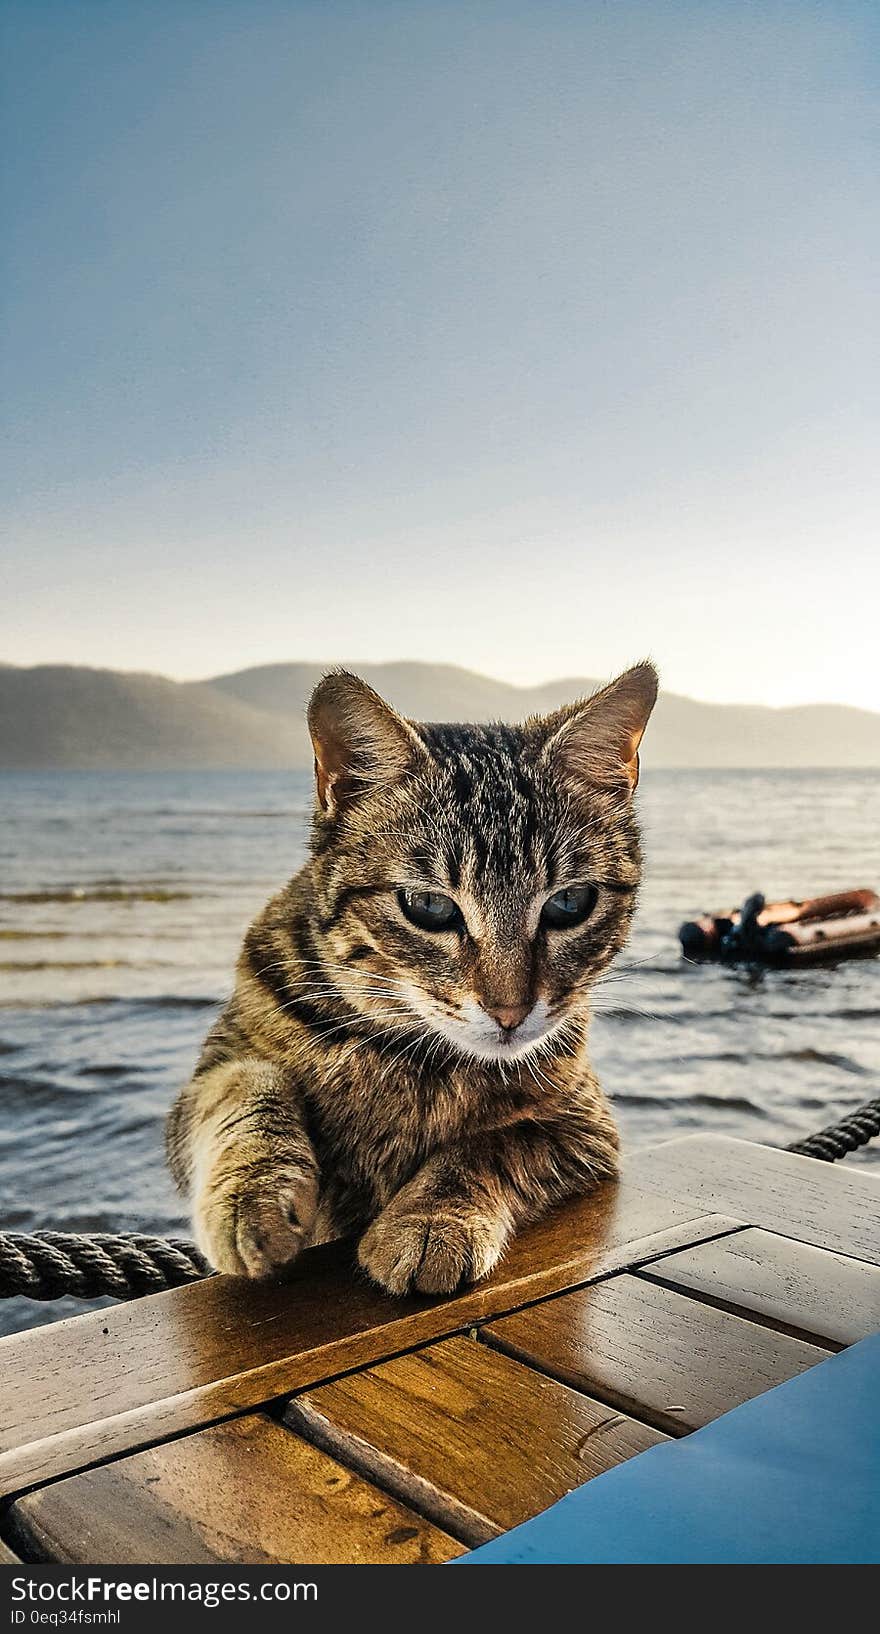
(417, 1496)
(8, 1500)
(639, 1346)
(594, 1393)
(634, 1268)
(467, 1437)
(759, 1318)
(805, 1242)
(247, 1493)
(275, 1405)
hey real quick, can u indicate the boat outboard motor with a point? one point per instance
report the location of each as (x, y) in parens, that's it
(745, 941)
(749, 942)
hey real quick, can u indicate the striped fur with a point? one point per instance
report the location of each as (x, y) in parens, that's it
(357, 1081)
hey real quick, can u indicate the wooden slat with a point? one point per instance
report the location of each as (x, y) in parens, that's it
(830, 1205)
(647, 1350)
(467, 1435)
(106, 1383)
(247, 1492)
(7, 1558)
(826, 1297)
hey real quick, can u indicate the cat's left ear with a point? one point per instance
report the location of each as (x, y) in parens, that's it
(361, 744)
(597, 740)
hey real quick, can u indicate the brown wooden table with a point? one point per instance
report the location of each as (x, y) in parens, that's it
(321, 1421)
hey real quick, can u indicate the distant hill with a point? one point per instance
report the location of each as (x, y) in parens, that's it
(58, 715)
(67, 716)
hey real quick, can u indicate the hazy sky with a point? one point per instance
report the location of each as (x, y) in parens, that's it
(532, 337)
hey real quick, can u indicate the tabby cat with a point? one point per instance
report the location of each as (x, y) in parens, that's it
(405, 1053)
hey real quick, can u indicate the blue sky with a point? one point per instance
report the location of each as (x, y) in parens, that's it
(532, 337)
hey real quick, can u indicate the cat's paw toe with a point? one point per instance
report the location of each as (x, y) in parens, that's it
(258, 1233)
(429, 1254)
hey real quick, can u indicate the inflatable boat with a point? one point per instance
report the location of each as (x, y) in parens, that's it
(820, 930)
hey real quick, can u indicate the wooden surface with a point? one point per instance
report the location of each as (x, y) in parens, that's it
(649, 1350)
(802, 1289)
(245, 1492)
(109, 1382)
(830, 1205)
(477, 1441)
(410, 1428)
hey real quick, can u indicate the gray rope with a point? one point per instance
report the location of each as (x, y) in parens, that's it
(843, 1137)
(50, 1264)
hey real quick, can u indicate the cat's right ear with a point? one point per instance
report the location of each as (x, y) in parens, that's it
(596, 740)
(361, 744)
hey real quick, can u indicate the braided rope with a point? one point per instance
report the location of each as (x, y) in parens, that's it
(52, 1263)
(843, 1137)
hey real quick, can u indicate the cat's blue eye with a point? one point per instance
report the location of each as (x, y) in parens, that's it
(430, 910)
(569, 907)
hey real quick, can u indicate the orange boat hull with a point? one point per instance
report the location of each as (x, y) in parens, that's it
(821, 929)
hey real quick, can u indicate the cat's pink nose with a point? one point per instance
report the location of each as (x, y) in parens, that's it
(509, 1016)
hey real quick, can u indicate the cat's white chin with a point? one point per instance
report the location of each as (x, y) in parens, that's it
(474, 1033)
(503, 1049)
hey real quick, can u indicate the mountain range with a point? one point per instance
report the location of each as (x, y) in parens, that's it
(69, 716)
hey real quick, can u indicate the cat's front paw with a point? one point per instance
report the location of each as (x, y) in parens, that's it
(430, 1253)
(256, 1228)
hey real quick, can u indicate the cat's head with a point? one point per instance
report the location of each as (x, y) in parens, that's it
(473, 881)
